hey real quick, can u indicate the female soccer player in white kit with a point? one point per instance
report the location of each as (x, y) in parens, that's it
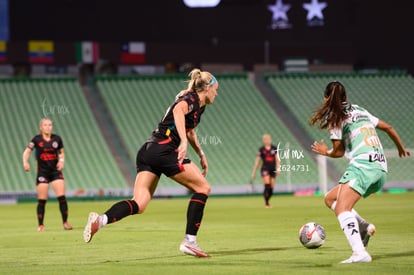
(353, 134)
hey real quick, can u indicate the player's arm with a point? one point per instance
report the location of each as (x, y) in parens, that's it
(255, 166)
(179, 112)
(26, 155)
(337, 150)
(392, 133)
(193, 140)
(61, 163)
(277, 164)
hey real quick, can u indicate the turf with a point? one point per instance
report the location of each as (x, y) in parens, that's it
(241, 236)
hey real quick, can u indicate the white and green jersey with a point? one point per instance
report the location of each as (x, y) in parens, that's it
(362, 145)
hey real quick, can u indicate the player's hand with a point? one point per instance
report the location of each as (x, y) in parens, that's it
(277, 172)
(403, 153)
(182, 151)
(26, 166)
(60, 165)
(204, 164)
(320, 148)
(253, 177)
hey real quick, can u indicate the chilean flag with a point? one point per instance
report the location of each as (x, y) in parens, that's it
(133, 53)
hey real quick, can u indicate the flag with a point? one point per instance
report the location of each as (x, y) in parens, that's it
(87, 52)
(133, 53)
(41, 51)
(3, 48)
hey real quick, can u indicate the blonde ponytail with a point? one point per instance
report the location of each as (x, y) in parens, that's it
(199, 80)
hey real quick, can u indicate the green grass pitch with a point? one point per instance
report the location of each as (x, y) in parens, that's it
(241, 235)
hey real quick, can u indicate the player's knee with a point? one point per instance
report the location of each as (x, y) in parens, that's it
(141, 206)
(328, 201)
(205, 188)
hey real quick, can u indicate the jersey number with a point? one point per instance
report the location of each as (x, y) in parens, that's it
(370, 136)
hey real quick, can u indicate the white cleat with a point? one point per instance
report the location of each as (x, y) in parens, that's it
(191, 248)
(91, 227)
(361, 257)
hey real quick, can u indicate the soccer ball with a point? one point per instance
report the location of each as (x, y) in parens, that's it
(312, 235)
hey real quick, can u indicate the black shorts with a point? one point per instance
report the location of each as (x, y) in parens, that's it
(49, 176)
(159, 159)
(268, 172)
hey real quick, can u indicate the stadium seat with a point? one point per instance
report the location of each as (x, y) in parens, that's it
(89, 164)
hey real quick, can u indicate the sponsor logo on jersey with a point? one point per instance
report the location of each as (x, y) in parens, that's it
(376, 157)
(55, 144)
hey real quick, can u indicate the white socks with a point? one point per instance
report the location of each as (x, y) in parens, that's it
(361, 220)
(190, 238)
(103, 220)
(349, 225)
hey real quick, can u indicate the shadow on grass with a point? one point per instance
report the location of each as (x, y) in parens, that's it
(248, 251)
(394, 255)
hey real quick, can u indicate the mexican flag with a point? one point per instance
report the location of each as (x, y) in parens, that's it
(87, 52)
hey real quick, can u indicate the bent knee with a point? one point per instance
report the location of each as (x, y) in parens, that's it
(328, 201)
(142, 206)
(203, 189)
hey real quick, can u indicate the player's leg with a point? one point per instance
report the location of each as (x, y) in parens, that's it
(347, 198)
(145, 185)
(272, 181)
(366, 229)
(267, 187)
(59, 188)
(42, 192)
(193, 179)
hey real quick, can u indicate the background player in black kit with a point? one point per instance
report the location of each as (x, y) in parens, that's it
(50, 158)
(165, 153)
(269, 156)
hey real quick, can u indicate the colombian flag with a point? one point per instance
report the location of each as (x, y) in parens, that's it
(3, 48)
(41, 52)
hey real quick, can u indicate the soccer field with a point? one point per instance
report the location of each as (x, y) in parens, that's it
(240, 234)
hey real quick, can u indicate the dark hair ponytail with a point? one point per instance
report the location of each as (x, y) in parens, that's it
(331, 114)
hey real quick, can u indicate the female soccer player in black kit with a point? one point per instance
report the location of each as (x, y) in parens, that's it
(269, 156)
(165, 153)
(50, 163)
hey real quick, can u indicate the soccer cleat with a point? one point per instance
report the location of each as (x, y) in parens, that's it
(268, 206)
(367, 234)
(191, 248)
(41, 228)
(67, 226)
(361, 257)
(91, 227)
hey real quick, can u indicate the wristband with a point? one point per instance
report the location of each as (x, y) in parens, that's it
(62, 160)
(328, 152)
(201, 153)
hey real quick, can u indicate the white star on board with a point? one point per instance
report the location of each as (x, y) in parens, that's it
(279, 10)
(314, 9)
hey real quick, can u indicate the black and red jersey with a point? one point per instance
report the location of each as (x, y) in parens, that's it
(268, 157)
(46, 151)
(167, 131)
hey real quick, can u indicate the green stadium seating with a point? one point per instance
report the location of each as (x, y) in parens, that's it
(89, 164)
(230, 131)
(388, 96)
